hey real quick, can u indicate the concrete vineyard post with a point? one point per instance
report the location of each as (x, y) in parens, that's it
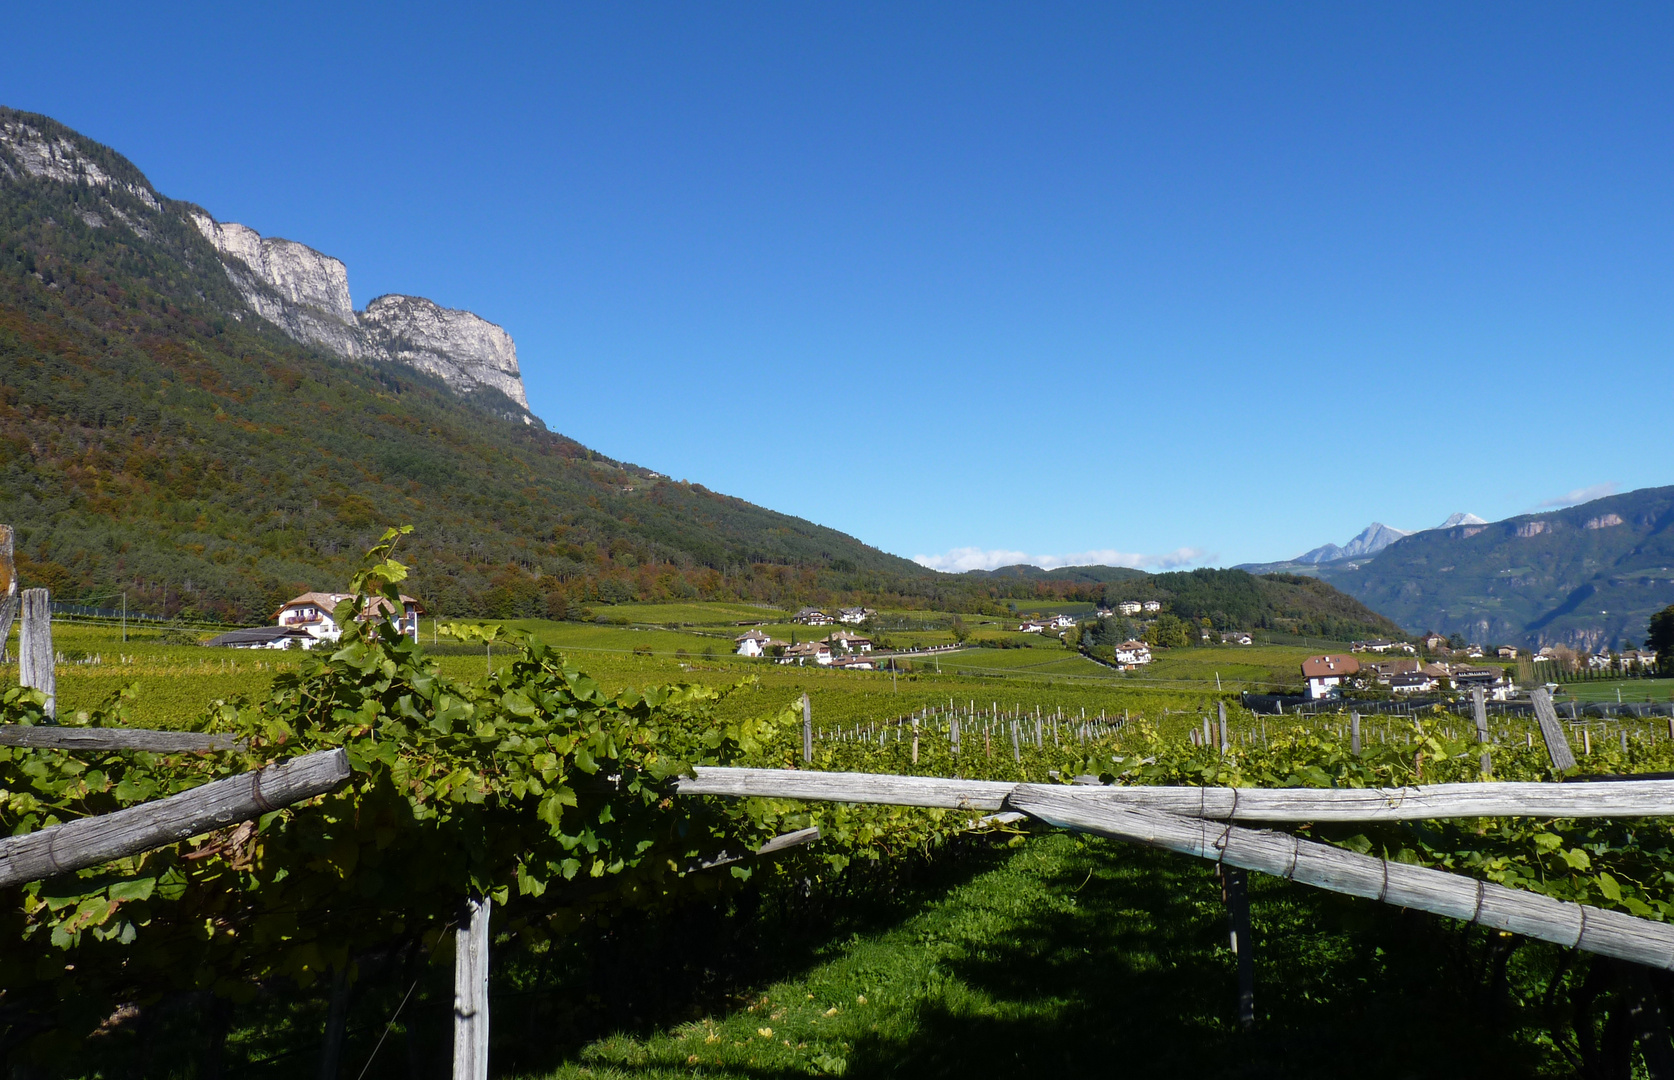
(1354, 733)
(1226, 743)
(470, 992)
(915, 740)
(34, 648)
(1557, 747)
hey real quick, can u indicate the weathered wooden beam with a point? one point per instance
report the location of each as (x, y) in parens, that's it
(1619, 798)
(8, 585)
(74, 845)
(87, 738)
(772, 847)
(806, 784)
(1578, 926)
(470, 992)
(35, 658)
(1557, 746)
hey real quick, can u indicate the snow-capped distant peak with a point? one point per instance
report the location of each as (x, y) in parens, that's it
(1461, 519)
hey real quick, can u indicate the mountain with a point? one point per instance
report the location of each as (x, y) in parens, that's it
(1368, 541)
(196, 415)
(1456, 520)
(1077, 574)
(1229, 599)
(1588, 576)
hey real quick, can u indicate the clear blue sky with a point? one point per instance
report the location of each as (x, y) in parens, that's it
(1227, 280)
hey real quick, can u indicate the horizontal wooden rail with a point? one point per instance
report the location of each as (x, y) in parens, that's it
(782, 842)
(1625, 798)
(74, 845)
(91, 738)
(1579, 926)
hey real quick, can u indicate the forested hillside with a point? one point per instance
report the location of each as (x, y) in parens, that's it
(157, 437)
(1588, 576)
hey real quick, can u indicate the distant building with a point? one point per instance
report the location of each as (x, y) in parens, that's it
(1493, 681)
(315, 613)
(1412, 683)
(849, 643)
(1235, 637)
(1326, 674)
(754, 643)
(1436, 643)
(1031, 628)
(1506, 652)
(1152, 606)
(813, 617)
(1377, 645)
(1060, 622)
(1129, 607)
(1130, 654)
(800, 654)
(1473, 652)
(854, 663)
(854, 616)
(264, 637)
(1638, 659)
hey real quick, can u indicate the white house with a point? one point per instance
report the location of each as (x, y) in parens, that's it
(1133, 653)
(1031, 628)
(1326, 674)
(1235, 637)
(313, 612)
(849, 643)
(802, 652)
(1060, 622)
(1152, 606)
(854, 616)
(813, 617)
(753, 643)
(1414, 682)
(1507, 652)
(853, 663)
(1129, 607)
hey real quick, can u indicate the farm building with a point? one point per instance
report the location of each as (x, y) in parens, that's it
(314, 613)
(264, 637)
(753, 643)
(1133, 653)
(849, 643)
(1326, 674)
(813, 617)
(817, 651)
(1151, 607)
(1129, 607)
(854, 616)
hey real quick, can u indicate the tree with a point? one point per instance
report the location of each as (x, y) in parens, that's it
(960, 630)
(1659, 637)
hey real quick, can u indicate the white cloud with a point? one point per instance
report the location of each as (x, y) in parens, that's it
(959, 560)
(1579, 495)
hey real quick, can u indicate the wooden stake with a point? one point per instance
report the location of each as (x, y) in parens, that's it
(1479, 710)
(1235, 894)
(1354, 733)
(808, 731)
(470, 992)
(1557, 747)
(35, 658)
(1226, 744)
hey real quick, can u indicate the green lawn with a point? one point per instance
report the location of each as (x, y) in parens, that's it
(1066, 956)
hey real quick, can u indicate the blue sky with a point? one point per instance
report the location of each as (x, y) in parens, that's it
(1157, 285)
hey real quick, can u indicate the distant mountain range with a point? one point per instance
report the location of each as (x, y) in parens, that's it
(1589, 576)
(1366, 543)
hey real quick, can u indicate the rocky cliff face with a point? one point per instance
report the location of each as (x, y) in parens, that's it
(452, 345)
(302, 291)
(306, 294)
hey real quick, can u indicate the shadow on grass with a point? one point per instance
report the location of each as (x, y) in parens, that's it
(1136, 978)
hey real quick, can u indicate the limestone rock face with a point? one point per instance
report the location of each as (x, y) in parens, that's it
(306, 294)
(59, 159)
(456, 346)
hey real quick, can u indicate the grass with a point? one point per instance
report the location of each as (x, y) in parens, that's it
(1081, 954)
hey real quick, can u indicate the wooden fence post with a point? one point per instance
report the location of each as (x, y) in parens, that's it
(34, 648)
(470, 992)
(1235, 894)
(1557, 747)
(1479, 709)
(8, 587)
(807, 730)
(1354, 733)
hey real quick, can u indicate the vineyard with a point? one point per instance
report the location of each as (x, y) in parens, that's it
(528, 791)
